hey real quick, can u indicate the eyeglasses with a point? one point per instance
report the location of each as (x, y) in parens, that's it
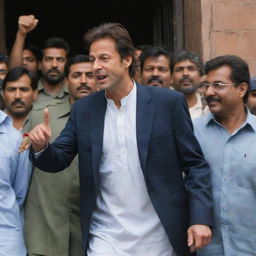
(216, 85)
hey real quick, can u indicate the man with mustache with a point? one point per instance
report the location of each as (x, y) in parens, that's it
(51, 87)
(227, 137)
(53, 200)
(15, 170)
(133, 142)
(19, 93)
(155, 64)
(80, 79)
(187, 69)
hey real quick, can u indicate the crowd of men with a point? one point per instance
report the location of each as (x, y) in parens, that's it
(125, 151)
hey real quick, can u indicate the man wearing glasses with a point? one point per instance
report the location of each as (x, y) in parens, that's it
(227, 136)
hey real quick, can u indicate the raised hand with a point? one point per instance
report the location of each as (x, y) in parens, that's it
(27, 23)
(40, 135)
(198, 236)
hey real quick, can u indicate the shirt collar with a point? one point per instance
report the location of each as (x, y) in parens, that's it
(4, 119)
(62, 92)
(250, 120)
(125, 100)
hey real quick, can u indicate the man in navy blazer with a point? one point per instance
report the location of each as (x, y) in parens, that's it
(133, 142)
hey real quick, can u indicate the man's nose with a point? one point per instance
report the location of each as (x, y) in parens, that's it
(210, 91)
(155, 72)
(83, 79)
(17, 94)
(185, 72)
(54, 62)
(24, 63)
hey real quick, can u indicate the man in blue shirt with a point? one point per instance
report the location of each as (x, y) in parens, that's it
(15, 170)
(228, 136)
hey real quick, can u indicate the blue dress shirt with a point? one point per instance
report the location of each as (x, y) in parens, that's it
(232, 158)
(15, 171)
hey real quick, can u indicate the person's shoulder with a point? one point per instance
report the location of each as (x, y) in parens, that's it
(200, 122)
(13, 135)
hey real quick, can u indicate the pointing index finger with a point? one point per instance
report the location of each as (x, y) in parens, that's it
(46, 117)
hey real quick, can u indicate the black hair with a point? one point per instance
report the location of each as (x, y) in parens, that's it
(55, 42)
(34, 49)
(183, 55)
(15, 73)
(74, 60)
(4, 59)
(154, 51)
(239, 69)
(119, 34)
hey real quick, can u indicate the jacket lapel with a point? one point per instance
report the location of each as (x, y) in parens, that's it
(144, 122)
(96, 131)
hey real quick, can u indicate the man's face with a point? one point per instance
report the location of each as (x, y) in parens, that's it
(109, 69)
(29, 61)
(52, 65)
(3, 72)
(19, 96)
(81, 81)
(223, 100)
(156, 71)
(137, 76)
(251, 102)
(185, 77)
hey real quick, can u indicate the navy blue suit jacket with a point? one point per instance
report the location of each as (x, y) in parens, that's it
(166, 147)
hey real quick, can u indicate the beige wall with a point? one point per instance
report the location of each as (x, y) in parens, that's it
(229, 27)
(226, 27)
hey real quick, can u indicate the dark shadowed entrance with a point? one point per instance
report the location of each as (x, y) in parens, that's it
(148, 21)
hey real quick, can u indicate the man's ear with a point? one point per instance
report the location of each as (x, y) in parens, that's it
(244, 87)
(127, 61)
(35, 92)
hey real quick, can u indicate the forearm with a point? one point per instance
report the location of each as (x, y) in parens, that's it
(52, 159)
(16, 53)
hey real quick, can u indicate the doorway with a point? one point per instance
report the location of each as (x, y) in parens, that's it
(148, 21)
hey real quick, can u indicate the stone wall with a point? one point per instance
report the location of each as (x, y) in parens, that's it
(229, 27)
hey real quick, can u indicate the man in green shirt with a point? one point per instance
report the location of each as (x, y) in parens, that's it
(52, 221)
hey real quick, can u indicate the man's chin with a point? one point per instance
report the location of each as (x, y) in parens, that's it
(53, 80)
(188, 90)
(82, 94)
(19, 113)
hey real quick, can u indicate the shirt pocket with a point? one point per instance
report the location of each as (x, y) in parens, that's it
(246, 171)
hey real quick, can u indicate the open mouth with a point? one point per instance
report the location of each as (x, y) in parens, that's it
(186, 83)
(101, 77)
